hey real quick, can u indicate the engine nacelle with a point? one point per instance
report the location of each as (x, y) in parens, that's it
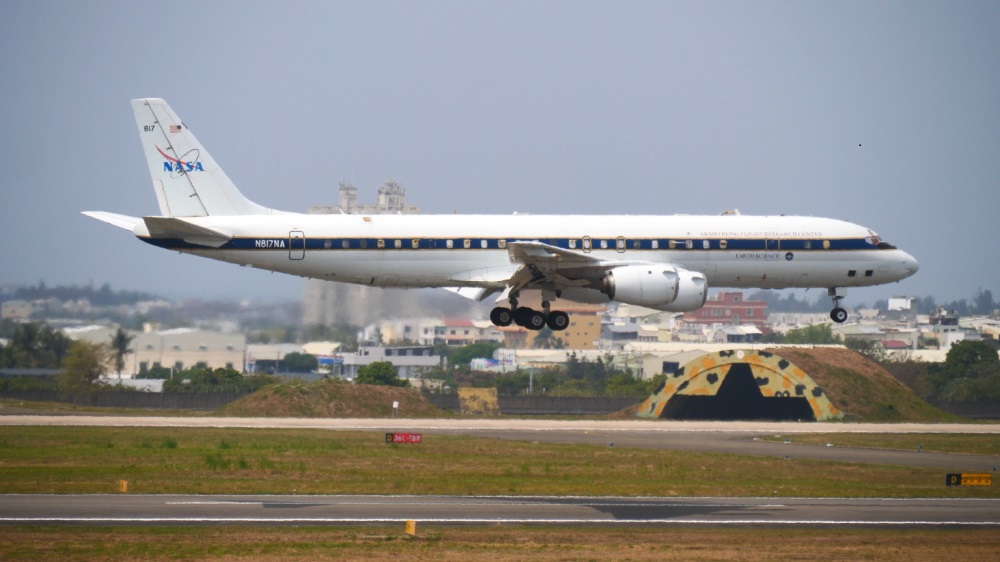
(692, 291)
(661, 287)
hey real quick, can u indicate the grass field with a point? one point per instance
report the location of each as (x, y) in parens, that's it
(498, 544)
(970, 444)
(71, 460)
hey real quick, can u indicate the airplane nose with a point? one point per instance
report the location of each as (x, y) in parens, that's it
(910, 265)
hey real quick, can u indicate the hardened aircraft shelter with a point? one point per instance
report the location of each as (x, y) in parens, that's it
(739, 385)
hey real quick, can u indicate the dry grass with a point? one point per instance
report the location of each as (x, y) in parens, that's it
(70, 460)
(861, 388)
(331, 399)
(498, 544)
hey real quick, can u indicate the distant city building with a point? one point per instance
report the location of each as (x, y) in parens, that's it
(16, 310)
(410, 361)
(900, 303)
(178, 349)
(391, 200)
(459, 331)
(729, 309)
(737, 334)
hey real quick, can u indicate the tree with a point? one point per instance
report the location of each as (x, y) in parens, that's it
(984, 303)
(971, 371)
(119, 347)
(214, 380)
(36, 346)
(871, 349)
(296, 362)
(85, 363)
(381, 373)
(546, 339)
(815, 334)
(464, 355)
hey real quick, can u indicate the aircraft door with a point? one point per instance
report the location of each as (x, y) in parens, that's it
(296, 245)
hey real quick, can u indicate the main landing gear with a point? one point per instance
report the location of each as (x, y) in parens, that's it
(531, 319)
(838, 314)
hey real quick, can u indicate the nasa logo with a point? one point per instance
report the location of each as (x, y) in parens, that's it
(789, 256)
(179, 166)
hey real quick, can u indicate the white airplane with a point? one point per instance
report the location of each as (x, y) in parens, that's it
(662, 262)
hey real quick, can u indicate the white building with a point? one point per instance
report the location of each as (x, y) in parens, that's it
(410, 362)
(177, 349)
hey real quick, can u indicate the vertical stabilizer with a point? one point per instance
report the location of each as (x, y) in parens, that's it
(187, 181)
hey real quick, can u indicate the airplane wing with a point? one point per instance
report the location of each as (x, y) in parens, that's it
(547, 266)
(538, 266)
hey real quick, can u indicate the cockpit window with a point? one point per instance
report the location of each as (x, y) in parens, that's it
(878, 242)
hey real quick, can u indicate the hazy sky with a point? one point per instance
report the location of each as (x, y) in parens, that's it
(885, 114)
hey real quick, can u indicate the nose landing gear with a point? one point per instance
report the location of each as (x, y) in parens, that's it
(838, 314)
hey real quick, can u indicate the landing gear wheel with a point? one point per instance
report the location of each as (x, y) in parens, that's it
(522, 315)
(501, 316)
(558, 321)
(536, 320)
(838, 315)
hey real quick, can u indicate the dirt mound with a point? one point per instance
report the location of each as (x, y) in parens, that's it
(331, 399)
(861, 388)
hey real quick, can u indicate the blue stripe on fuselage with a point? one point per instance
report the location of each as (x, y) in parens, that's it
(602, 244)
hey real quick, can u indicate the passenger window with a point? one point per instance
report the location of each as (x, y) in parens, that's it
(398, 244)
(483, 244)
(673, 244)
(448, 244)
(416, 243)
(345, 244)
(380, 244)
(467, 243)
(723, 244)
(706, 244)
(808, 245)
(655, 244)
(572, 244)
(604, 244)
(826, 244)
(689, 244)
(501, 244)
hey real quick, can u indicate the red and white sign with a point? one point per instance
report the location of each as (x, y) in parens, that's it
(404, 437)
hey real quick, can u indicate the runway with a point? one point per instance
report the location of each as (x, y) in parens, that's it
(322, 510)
(742, 438)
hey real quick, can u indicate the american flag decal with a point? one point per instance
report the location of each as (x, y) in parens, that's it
(175, 128)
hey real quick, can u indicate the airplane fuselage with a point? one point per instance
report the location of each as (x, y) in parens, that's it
(736, 251)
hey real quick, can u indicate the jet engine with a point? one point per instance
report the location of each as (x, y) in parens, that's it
(661, 287)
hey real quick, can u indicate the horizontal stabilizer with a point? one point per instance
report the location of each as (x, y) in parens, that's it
(121, 221)
(173, 227)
